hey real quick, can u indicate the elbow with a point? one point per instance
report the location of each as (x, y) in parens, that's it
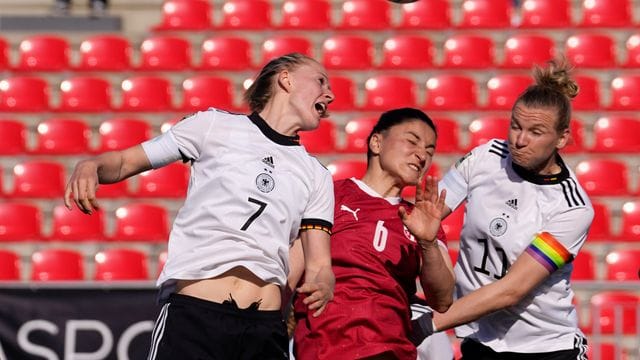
(442, 307)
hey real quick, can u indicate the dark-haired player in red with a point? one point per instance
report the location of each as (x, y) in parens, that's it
(379, 245)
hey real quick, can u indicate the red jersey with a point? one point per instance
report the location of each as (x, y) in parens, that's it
(375, 260)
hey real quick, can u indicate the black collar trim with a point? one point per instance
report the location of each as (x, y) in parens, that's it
(273, 135)
(543, 179)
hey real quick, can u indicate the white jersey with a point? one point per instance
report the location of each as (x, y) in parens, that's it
(250, 192)
(510, 211)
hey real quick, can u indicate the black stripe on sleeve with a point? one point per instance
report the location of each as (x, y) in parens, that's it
(316, 224)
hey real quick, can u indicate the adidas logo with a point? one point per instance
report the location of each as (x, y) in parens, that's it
(513, 203)
(269, 161)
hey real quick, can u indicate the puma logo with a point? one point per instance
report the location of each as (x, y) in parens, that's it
(354, 213)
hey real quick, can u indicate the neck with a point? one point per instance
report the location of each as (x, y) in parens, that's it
(279, 120)
(381, 182)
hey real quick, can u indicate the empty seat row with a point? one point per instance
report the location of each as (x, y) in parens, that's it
(137, 222)
(47, 179)
(73, 136)
(68, 264)
(445, 91)
(377, 14)
(49, 52)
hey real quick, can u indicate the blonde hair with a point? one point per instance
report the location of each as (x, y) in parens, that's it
(554, 88)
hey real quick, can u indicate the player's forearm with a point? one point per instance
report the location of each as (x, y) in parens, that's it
(320, 274)
(436, 278)
(114, 166)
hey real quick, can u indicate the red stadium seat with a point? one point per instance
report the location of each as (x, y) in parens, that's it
(277, 46)
(524, 50)
(356, 133)
(630, 221)
(74, 225)
(203, 91)
(165, 53)
(448, 135)
(606, 13)
(591, 51)
(623, 265)
(452, 224)
(57, 265)
(606, 351)
(170, 181)
(5, 50)
(181, 15)
(625, 92)
(306, 15)
(347, 52)
(24, 94)
(85, 94)
(146, 93)
(576, 141)
(14, 134)
(246, 14)
(407, 52)
(600, 229)
(583, 266)
(365, 15)
(451, 92)
(503, 90)
(433, 14)
(486, 128)
(611, 310)
(545, 14)
(603, 177)
(141, 222)
(113, 191)
(384, 92)
(9, 265)
(121, 133)
(63, 136)
(121, 264)
(226, 53)
(632, 46)
(43, 53)
(453, 255)
(589, 96)
(321, 140)
(616, 134)
(19, 222)
(468, 52)
(38, 179)
(105, 53)
(345, 169)
(344, 90)
(486, 14)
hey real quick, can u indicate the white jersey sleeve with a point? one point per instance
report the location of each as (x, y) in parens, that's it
(456, 181)
(320, 206)
(183, 141)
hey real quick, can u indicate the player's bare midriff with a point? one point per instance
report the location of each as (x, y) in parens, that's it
(245, 288)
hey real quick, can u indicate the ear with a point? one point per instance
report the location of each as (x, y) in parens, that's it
(375, 143)
(564, 140)
(284, 80)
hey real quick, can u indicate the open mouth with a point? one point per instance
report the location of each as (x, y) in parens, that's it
(415, 167)
(321, 108)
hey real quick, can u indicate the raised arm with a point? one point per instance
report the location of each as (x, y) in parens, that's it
(319, 280)
(436, 273)
(106, 168)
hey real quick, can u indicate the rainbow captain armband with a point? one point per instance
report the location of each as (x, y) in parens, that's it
(549, 252)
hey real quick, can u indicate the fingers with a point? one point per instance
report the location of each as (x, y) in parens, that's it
(402, 213)
(84, 195)
(318, 298)
(67, 196)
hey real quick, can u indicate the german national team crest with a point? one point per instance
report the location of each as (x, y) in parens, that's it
(498, 226)
(265, 182)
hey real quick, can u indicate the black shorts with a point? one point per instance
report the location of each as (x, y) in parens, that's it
(189, 328)
(473, 350)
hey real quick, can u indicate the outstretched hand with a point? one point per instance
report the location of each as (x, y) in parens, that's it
(424, 219)
(82, 187)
